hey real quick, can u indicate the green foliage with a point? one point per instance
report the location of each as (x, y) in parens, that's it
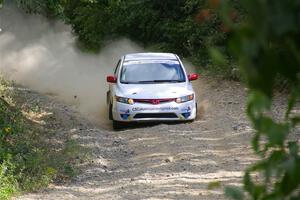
(49, 8)
(26, 162)
(266, 45)
(8, 184)
(234, 193)
(22, 164)
(214, 185)
(186, 27)
(90, 20)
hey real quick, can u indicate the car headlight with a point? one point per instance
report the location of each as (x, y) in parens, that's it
(185, 98)
(125, 100)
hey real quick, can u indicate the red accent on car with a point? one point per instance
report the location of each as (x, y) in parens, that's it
(111, 79)
(153, 101)
(193, 77)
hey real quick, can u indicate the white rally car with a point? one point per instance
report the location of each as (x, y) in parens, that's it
(150, 87)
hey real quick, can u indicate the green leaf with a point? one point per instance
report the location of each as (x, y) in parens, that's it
(292, 101)
(234, 193)
(277, 133)
(255, 143)
(294, 149)
(254, 190)
(295, 120)
(257, 103)
(214, 185)
(291, 179)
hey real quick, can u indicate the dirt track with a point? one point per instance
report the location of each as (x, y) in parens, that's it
(174, 161)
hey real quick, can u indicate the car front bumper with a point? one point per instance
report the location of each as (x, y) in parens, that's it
(143, 112)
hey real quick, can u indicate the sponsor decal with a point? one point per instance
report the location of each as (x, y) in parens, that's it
(188, 109)
(125, 111)
(138, 109)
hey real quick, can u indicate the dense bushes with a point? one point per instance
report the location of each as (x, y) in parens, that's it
(186, 27)
(22, 164)
(8, 126)
(27, 161)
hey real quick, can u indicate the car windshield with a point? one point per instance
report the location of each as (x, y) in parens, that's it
(159, 71)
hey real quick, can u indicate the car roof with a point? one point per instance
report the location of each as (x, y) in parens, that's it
(150, 56)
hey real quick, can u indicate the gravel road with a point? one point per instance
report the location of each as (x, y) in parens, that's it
(166, 161)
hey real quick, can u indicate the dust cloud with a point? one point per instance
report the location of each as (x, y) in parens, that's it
(42, 55)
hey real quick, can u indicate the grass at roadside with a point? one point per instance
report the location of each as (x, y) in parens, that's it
(27, 162)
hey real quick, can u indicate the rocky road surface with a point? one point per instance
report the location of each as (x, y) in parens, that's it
(166, 161)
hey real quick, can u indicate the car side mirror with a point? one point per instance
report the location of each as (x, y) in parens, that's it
(111, 79)
(193, 77)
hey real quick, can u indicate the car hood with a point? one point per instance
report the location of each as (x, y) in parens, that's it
(154, 91)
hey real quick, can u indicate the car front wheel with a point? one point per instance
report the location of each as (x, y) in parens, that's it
(110, 115)
(117, 125)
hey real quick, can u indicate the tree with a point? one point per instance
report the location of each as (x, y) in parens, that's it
(266, 44)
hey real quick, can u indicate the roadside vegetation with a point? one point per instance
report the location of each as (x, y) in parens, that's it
(27, 162)
(266, 46)
(257, 40)
(188, 28)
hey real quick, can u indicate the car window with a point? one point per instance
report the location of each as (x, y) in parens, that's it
(117, 67)
(152, 72)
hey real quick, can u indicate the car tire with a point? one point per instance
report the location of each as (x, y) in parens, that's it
(117, 125)
(196, 112)
(110, 115)
(196, 117)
